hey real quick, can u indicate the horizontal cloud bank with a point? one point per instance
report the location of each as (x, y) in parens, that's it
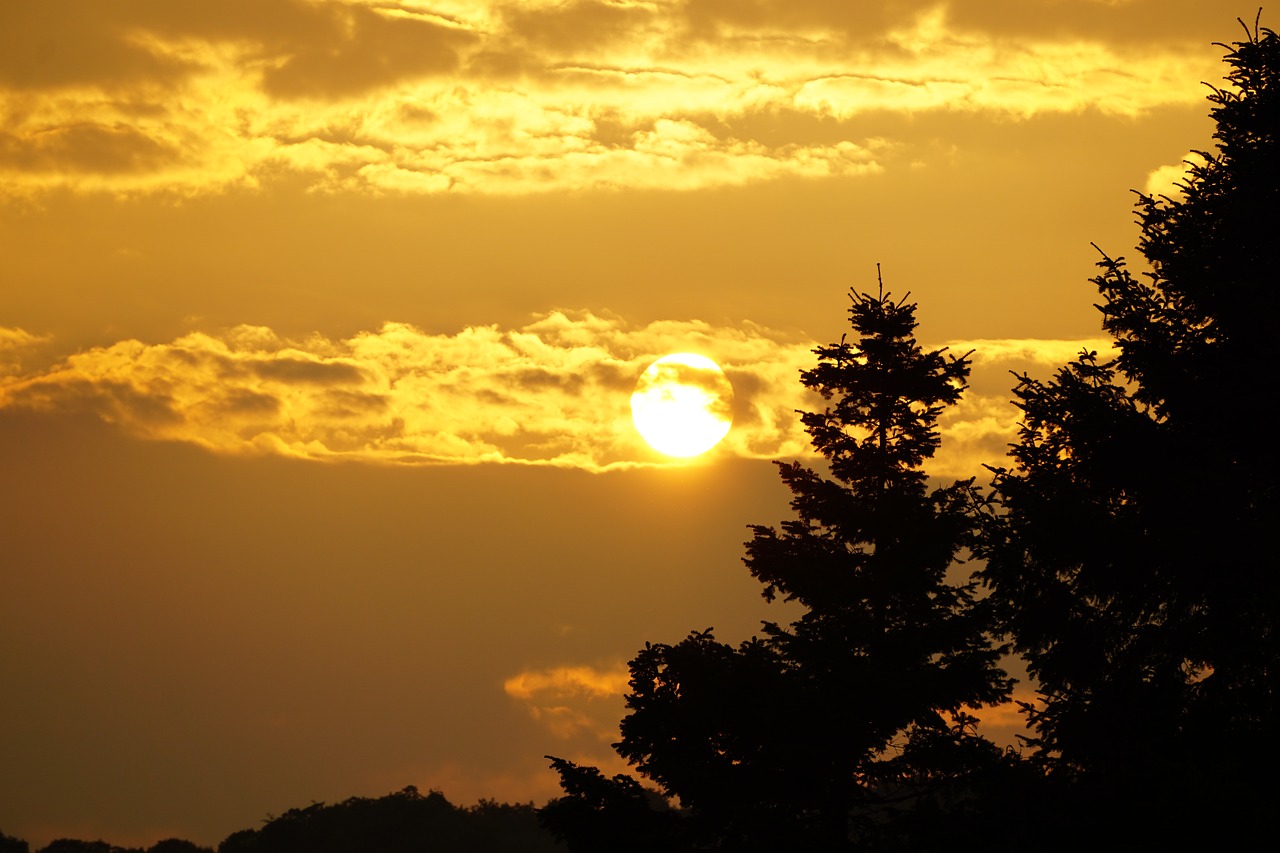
(553, 392)
(533, 95)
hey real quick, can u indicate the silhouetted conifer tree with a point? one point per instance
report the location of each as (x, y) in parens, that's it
(1131, 543)
(833, 728)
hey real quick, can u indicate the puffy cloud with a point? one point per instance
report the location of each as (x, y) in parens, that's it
(1167, 180)
(977, 430)
(572, 700)
(1010, 352)
(15, 339)
(368, 49)
(524, 97)
(92, 148)
(13, 344)
(555, 391)
(565, 682)
(1006, 722)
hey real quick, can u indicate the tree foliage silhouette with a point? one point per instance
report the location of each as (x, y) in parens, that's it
(403, 822)
(826, 730)
(1130, 544)
(614, 814)
(74, 845)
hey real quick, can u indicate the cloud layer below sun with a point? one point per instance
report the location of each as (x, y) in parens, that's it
(431, 96)
(555, 391)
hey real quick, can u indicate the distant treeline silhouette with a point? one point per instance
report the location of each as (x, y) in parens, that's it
(1126, 552)
(402, 822)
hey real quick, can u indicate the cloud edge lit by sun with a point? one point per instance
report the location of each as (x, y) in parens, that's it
(553, 392)
(486, 99)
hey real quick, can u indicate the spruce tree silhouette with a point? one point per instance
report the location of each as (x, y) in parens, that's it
(1130, 545)
(827, 732)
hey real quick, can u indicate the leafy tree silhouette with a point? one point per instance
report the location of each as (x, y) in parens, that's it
(615, 814)
(829, 730)
(402, 822)
(1130, 545)
(74, 845)
(9, 844)
(177, 845)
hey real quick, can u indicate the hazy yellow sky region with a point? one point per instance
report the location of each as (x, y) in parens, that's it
(319, 322)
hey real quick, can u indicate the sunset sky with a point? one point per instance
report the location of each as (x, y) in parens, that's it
(319, 321)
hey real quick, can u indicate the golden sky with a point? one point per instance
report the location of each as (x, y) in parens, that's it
(319, 322)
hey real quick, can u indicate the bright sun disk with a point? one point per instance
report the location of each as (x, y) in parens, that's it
(682, 405)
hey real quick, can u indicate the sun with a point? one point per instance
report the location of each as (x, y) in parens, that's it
(683, 404)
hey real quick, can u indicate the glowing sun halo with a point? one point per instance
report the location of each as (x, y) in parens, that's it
(682, 404)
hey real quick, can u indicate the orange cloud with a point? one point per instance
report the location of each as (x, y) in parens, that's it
(568, 681)
(1003, 723)
(572, 700)
(16, 339)
(13, 344)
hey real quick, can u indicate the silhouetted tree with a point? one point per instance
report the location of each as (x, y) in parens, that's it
(832, 728)
(9, 844)
(75, 845)
(72, 845)
(177, 845)
(1131, 545)
(598, 814)
(403, 822)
